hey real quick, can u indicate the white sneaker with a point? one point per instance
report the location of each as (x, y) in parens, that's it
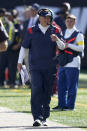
(44, 123)
(37, 123)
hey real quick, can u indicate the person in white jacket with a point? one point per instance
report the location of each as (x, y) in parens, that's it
(68, 75)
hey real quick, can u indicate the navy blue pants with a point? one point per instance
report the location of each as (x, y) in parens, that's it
(41, 91)
(67, 86)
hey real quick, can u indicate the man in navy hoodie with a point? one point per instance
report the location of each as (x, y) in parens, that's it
(42, 50)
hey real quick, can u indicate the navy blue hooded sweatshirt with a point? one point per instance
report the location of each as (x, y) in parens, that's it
(42, 49)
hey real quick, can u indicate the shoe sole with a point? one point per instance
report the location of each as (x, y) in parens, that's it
(37, 124)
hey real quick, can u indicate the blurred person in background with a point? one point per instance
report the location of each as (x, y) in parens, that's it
(10, 57)
(2, 15)
(3, 38)
(60, 21)
(27, 15)
(14, 48)
(32, 19)
(62, 14)
(34, 15)
(42, 50)
(4, 55)
(69, 69)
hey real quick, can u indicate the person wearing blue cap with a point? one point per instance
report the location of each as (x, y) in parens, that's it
(42, 50)
(33, 20)
(34, 15)
(36, 6)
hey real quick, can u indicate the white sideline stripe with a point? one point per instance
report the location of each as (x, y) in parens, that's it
(15, 121)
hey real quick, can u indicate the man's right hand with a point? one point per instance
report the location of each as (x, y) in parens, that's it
(19, 66)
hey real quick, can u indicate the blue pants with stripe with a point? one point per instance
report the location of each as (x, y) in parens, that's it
(67, 86)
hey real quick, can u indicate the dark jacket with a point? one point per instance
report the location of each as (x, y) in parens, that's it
(42, 49)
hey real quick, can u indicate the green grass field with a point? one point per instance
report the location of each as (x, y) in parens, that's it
(19, 100)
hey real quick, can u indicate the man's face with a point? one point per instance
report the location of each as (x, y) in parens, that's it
(70, 22)
(44, 21)
(34, 12)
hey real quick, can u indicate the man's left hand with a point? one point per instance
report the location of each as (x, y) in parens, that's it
(54, 37)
